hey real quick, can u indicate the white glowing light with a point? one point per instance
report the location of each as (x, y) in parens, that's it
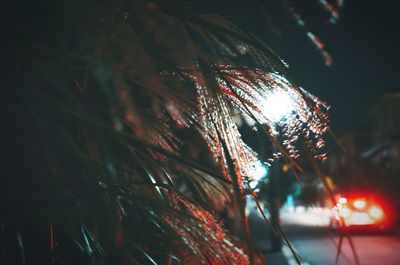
(376, 212)
(359, 204)
(345, 212)
(359, 219)
(259, 171)
(253, 184)
(277, 106)
(342, 200)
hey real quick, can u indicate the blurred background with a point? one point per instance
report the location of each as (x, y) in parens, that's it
(353, 67)
(124, 167)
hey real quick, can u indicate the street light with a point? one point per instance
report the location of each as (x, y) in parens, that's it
(277, 106)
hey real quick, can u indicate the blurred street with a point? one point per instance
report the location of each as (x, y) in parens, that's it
(317, 245)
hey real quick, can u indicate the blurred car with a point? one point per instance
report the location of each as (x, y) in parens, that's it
(362, 212)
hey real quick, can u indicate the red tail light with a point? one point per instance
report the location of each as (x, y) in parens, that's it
(360, 211)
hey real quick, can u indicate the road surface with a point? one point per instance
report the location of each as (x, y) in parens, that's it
(317, 245)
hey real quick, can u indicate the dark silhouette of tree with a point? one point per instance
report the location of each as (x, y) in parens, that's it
(108, 109)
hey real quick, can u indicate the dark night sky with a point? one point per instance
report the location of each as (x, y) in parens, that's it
(365, 45)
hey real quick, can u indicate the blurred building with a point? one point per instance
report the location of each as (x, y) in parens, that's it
(372, 149)
(384, 150)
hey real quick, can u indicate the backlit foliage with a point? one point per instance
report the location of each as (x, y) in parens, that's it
(108, 108)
